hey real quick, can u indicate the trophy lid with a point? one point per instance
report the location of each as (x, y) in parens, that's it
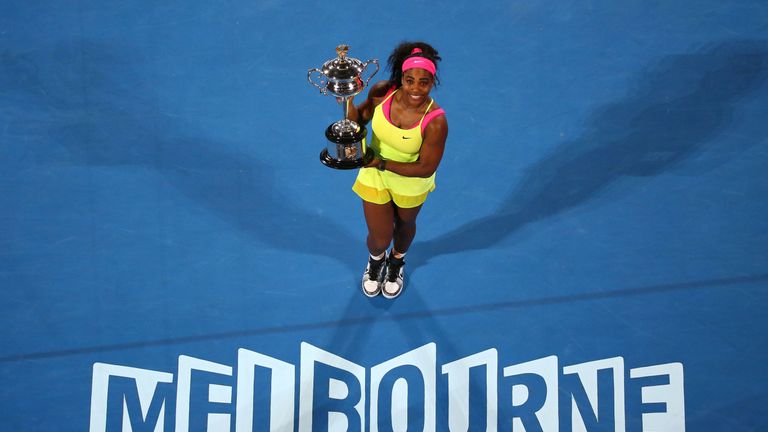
(343, 68)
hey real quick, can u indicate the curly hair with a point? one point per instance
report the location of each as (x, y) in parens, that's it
(402, 52)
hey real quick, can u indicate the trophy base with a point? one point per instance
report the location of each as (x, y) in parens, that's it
(346, 147)
(330, 162)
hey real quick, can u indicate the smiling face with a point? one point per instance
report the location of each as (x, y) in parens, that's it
(417, 83)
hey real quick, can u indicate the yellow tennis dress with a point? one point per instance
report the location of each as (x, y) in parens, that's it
(401, 145)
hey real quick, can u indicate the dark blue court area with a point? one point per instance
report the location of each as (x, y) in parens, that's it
(174, 256)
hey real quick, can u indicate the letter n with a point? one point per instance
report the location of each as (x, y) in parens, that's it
(597, 390)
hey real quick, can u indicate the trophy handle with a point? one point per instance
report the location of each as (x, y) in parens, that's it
(323, 89)
(365, 66)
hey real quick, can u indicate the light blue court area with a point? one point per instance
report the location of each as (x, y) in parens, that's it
(174, 257)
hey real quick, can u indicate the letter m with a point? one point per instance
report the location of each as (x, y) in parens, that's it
(126, 399)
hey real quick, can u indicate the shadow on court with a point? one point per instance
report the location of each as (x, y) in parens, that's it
(349, 330)
(681, 104)
(103, 111)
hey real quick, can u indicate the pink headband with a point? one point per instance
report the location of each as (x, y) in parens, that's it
(419, 62)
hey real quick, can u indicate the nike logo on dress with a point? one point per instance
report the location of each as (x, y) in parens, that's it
(405, 137)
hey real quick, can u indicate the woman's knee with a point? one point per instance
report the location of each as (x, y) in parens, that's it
(380, 239)
(407, 214)
(402, 225)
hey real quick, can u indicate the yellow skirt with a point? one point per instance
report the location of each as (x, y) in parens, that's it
(381, 187)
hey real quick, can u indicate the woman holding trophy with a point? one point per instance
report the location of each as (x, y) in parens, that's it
(409, 133)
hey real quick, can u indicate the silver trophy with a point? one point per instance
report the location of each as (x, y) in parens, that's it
(343, 77)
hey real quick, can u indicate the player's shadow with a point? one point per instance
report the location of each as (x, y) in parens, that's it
(417, 325)
(682, 103)
(104, 112)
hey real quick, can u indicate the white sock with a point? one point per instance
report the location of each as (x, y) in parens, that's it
(397, 254)
(378, 258)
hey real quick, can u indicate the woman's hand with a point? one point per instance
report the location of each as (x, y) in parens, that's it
(374, 163)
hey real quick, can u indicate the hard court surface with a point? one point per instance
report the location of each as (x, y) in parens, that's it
(602, 196)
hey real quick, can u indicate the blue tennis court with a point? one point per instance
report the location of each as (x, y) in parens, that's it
(174, 256)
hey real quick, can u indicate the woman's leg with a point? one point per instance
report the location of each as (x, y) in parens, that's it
(380, 219)
(404, 232)
(405, 228)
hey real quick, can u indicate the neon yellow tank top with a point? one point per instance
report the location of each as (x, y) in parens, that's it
(391, 142)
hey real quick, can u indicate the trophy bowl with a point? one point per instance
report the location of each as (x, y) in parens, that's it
(342, 77)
